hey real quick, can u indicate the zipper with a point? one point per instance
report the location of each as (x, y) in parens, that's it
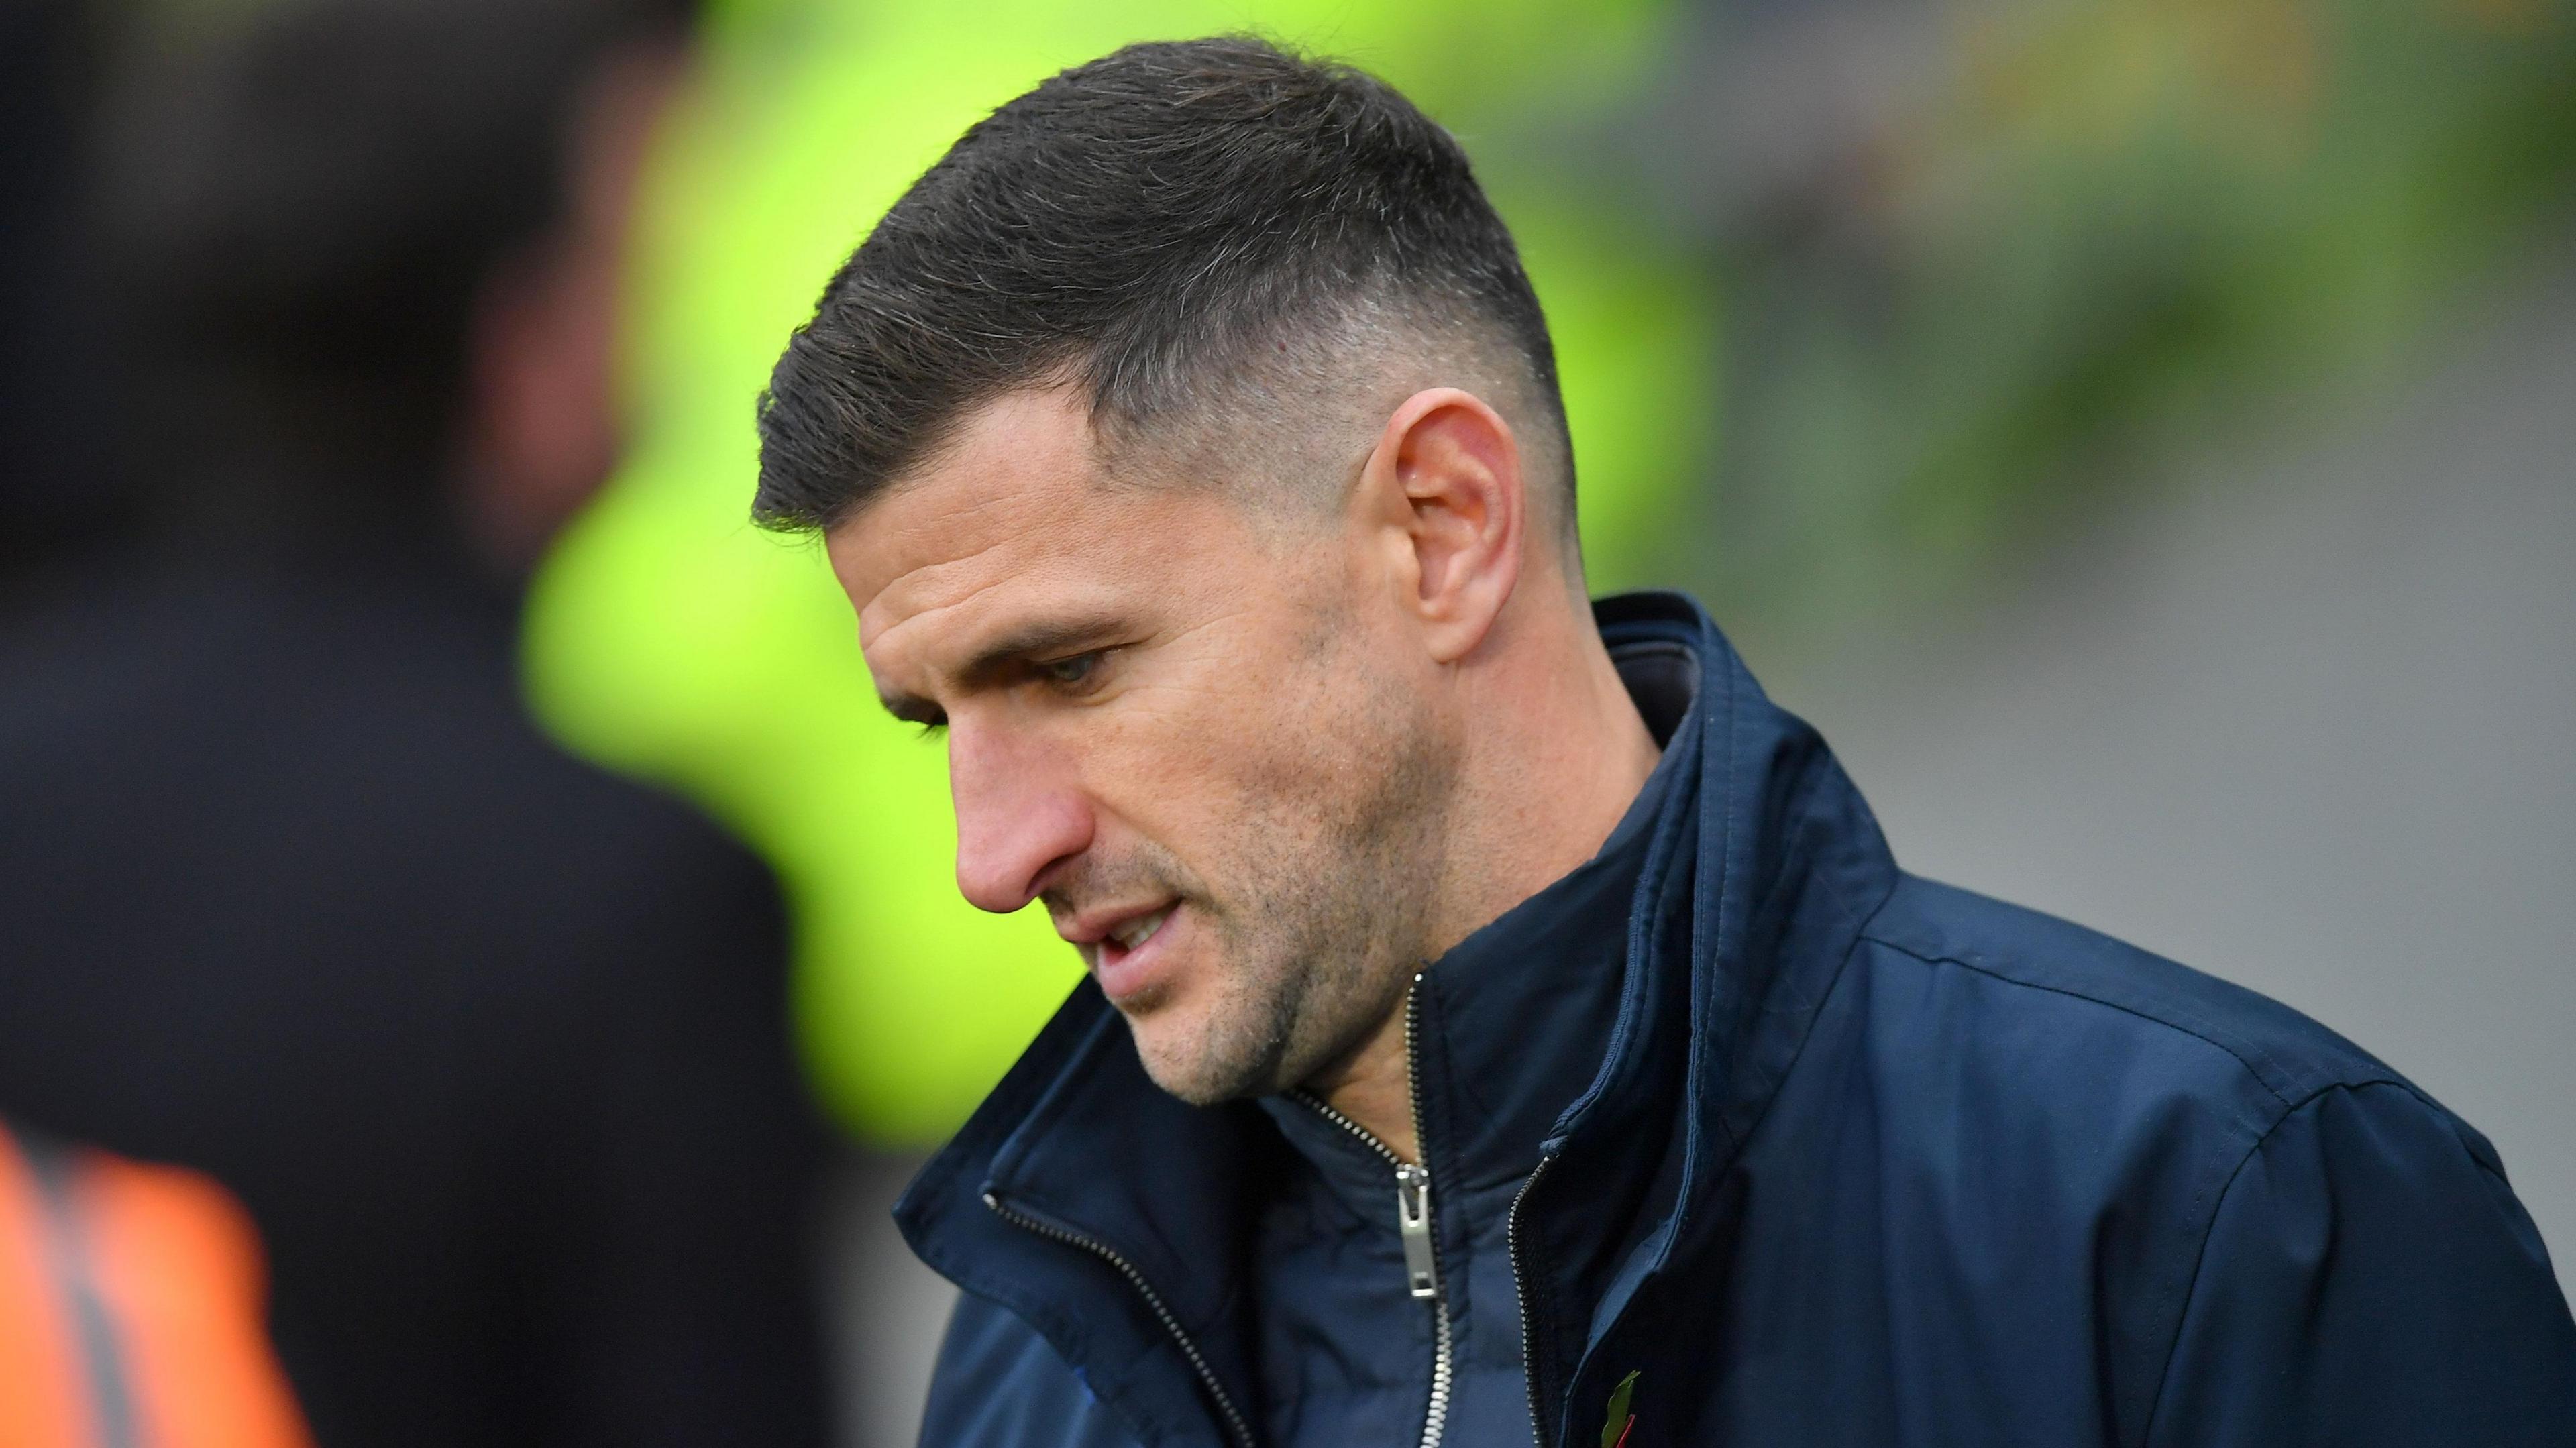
(1520, 1290)
(1234, 1418)
(1435, 1413)
(1413, 1220)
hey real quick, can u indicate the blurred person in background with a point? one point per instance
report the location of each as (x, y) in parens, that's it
(131, 1308)
(492, 1047)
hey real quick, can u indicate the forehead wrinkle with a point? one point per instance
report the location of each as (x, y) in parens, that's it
(933, 589)
(1033, 548)
(1016, 524)
(930, 579)
(961, 628)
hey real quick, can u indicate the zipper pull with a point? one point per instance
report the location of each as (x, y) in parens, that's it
(1413, 1223)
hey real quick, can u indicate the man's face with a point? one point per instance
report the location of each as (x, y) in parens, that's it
(1199, 732)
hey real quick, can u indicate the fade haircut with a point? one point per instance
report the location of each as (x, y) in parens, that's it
(1191, 235)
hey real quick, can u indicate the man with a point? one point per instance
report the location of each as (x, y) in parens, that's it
(492, 1047)
(1503, 1022)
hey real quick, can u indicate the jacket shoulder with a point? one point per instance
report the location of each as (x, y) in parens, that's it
(2064, 1115)
(2157, 1006)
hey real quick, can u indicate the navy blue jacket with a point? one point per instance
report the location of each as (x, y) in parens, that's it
(1866, 1160)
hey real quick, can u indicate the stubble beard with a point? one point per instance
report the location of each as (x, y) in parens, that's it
(1322, 913)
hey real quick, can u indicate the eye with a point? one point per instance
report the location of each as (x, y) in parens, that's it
(1073, 672)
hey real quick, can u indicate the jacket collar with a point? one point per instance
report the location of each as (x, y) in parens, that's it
(1079, 1187)
(1765, 866)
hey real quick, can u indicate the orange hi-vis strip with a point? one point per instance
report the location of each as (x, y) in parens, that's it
(131, 1309)
(42, 1397)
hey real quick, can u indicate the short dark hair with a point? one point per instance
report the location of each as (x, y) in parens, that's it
(1146, 227)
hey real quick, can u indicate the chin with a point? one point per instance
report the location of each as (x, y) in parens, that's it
(1181, 1071)
(1187, 1059)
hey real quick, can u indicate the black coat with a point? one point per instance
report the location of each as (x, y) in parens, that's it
(492, 1045)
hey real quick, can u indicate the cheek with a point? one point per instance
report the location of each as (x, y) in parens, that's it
(1187, 759)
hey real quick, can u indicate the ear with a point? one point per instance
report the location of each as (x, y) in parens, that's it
(1444, 490)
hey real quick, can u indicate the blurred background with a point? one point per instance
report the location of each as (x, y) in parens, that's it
(2141, 436)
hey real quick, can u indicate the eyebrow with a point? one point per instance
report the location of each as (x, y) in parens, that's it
(1044, 639)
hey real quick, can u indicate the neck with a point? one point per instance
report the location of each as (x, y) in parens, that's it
(1559, 756)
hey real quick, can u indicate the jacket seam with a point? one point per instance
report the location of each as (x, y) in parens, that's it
(2209, 1229)
(1739, 1144)
(2191, 1288)
(2179, 1027)
(1862, 917)
(1832, 984)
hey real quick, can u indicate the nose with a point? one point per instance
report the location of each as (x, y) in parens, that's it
(1018, 817)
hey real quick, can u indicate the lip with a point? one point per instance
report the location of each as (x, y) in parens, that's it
(1125, 973)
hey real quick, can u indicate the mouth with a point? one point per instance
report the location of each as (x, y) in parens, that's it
(1124, 959)
(1134, 934)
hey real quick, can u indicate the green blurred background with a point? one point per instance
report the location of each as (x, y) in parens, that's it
(668, 638)
(1855, 303)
